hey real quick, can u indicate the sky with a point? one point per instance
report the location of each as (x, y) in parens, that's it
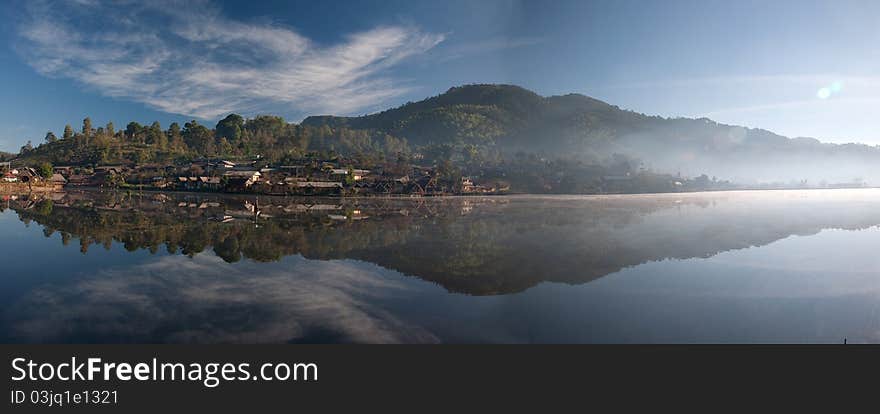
(798, 68)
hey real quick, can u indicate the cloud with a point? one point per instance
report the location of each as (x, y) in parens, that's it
(486, 46)
(188, 58)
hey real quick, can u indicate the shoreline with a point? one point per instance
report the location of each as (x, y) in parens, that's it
(18, 189)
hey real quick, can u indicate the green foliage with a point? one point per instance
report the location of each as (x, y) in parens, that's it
(198, 137)
(87, 127)
(46, 170)
(230, 128)
(68, 132)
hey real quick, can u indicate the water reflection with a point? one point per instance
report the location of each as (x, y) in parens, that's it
(478, 246)
(215, 268)
(175, 299)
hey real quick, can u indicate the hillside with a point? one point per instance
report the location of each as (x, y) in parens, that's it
(560, 144)
(512, 119)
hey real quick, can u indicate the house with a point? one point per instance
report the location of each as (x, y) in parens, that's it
(58, 180)
(63, 170)
(159, 182)
(319, 184)
(249, 175)
(467, 185)
(240, 166)
(240, 180)
(81, 180)
(201, 165)
(77, 180)
(295, 170)
(355, 173)
(153, 170)
(188, 183)
(26, 174)
(9, 177)
(210, 183)
(359, 174)
(316, 187)
(110, 169)
(390, 184)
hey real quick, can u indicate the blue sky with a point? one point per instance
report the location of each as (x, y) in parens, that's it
(799, 68)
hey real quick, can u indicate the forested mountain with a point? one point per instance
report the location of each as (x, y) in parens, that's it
(479, 128)
(512, 119)
(268, 137)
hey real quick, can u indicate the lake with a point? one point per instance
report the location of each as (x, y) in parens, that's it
(741, 267)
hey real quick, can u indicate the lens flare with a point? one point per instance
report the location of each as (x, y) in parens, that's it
(833, 89)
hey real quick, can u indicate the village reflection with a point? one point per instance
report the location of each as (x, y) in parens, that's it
(242, 269)
(472, 245)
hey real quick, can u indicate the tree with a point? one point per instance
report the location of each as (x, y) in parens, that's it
(26, 148)
(109, 129)
(46, 170)
(198, 137)
(156, 136)
(87, 127)
(50, 137)
(175, 139)
(132, 130)
(68, 132)
(230, 128)
(349, 177)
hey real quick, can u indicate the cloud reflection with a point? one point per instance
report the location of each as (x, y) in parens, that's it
(204, 300)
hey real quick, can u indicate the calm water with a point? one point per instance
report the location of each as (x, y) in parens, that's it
(775, 266)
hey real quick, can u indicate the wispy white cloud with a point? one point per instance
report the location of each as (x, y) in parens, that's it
(491, 45)
(188, 58)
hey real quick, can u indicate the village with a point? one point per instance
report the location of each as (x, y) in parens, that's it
(309, 176)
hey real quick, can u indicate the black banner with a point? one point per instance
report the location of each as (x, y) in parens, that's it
(390, 376)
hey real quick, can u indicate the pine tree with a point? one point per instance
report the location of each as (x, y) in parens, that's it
(68, 132)
(87, 127)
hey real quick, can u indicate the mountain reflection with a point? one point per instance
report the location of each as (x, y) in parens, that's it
(473, 245)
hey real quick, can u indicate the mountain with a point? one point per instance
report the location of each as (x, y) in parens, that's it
(494, 133)
(512, 119)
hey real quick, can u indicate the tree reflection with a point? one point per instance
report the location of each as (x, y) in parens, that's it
(479, 246)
